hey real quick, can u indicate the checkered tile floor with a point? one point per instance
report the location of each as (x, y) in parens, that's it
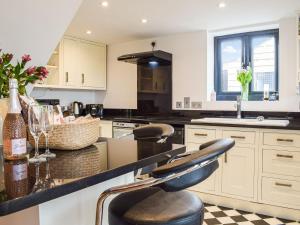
(221, 215)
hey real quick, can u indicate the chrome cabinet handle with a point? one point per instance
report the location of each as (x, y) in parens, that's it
(199, 134)
(284, 156)
(283, 185)
(67, 77)
(82, 78)
(285, 140)
(238, 137)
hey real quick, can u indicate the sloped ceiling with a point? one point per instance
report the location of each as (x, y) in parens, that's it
(34, 26)
(121, 20)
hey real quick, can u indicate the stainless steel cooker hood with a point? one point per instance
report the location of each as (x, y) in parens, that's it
(154, 57)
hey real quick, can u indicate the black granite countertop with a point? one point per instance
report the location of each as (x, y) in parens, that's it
(184, 120)
(25, 185)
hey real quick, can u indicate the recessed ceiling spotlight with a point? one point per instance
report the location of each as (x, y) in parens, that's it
(222, 5)
(144, 20)
(104, 4)
(89, 32)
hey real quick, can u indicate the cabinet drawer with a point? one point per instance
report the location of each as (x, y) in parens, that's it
(278, 191)
(243, 137)
(281, 162)
(199, 135)
(281, 139)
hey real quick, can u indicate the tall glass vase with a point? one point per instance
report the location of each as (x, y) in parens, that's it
(245, 92)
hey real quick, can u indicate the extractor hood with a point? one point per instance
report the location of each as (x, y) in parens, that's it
(157, 56)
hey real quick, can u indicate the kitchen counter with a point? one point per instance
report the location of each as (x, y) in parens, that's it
(180, 120)
(24, 186)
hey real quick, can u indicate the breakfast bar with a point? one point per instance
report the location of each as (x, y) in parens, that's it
(64, 190)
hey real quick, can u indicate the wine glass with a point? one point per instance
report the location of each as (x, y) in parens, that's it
(47, 121)
(35, 128)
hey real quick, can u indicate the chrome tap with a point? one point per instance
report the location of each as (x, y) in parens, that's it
(239, 106)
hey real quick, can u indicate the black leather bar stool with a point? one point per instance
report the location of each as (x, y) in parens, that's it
(161, 199)
(157, 132)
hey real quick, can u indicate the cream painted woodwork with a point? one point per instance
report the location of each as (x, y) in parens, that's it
(281, 192)
(106, 128)
(71, 62)
(281, 162)
(93, 66)
(263, 166)
(77, 64)
(238, 172)
(194, 137)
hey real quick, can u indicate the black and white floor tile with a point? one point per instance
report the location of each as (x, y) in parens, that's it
(215, 215)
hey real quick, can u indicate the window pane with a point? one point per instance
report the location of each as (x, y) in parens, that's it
(231, 61)
(263, 62)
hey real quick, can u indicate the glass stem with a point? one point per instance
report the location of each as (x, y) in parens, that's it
(36, 139)
(47, 147)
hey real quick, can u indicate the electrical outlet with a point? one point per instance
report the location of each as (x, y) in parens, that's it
(187, 102)
(178, 105)
(196, 105)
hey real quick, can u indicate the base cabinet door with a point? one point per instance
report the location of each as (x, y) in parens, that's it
(209, 185)
(238, 170)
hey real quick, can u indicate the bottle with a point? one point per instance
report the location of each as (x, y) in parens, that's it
(16, 178)
(266, 92)
(14, 128)
(213, 96)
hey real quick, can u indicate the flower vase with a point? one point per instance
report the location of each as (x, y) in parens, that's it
(245, 92)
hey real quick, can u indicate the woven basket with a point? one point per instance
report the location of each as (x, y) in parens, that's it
(71, 136)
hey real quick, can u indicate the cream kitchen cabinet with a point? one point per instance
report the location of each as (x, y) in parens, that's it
(262, 170)
(106, 128)
(93, 65)
(71, 62)
(195, 136)
(82, 65)
(238, 172)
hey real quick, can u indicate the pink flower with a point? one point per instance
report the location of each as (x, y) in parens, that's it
(26, 58)
(42, 72)
(8, 57)
(30, 70)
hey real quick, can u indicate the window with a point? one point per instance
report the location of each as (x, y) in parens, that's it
(257, 49)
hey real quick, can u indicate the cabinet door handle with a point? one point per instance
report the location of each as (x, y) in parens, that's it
(82, 78)
(199, 134)
(225, 157)
(283, 185)
(238, 137)
(285, 140)
(67, 77)
(284, 156)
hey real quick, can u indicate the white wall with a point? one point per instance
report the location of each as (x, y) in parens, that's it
(190, 71)
(35, 27)
(189, 59)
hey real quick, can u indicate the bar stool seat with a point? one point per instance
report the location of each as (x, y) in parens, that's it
(154, 206)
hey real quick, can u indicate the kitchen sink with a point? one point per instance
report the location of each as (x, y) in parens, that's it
(254, 121)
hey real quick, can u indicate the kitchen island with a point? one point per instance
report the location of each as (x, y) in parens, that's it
(65, 189)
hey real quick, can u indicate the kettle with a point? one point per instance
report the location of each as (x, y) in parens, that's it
(77, 108)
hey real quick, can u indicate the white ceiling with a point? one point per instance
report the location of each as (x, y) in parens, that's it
(121, 20)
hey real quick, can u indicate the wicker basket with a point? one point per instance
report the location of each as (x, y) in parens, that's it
(71, 136)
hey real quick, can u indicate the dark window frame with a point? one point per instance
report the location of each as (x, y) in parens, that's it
(246, 60)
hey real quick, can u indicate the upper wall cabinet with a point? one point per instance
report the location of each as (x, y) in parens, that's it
(80, 65)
